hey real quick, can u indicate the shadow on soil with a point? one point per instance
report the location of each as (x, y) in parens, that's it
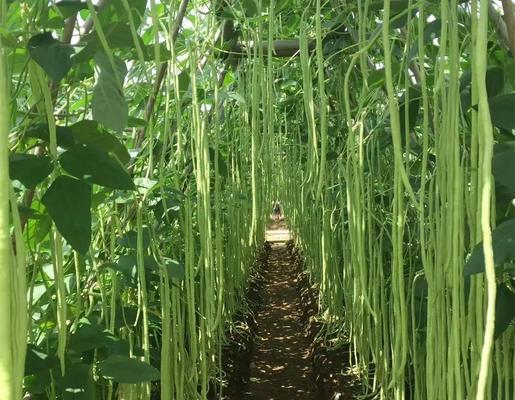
(276, 351)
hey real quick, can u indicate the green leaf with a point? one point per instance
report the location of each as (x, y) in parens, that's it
(249, 8)
(413, 111)
(42, 228)
(77, 383)
(494, 81)
(89, 132)
(130, 239)
(504, 146)
(115, 11)
(127, 370)
(118, 36)
(38, 365)
(108, 104)
(332, 155)
(175, 269)
(30, 213)
(37, 361)
(134, 122)
(149, 52)
(168, 208)
(237, 97)
(396, 6)
(95, 165)
(70, 7)
(431, 31)
(401, 21)
(126, 316)
(123, 347)
(502, 111)
(127, 265)
(88, 337)
(282, 5)
(29, 169)
(51, 55)
(222, 166)
(504, 309)
(68, 202)
(376, 77)
(150, 263)
(64, 135)
(184, 81)
(503, 240)
(503, 168)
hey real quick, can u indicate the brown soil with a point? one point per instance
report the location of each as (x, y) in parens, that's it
(281, 367)
(237, 354)
(334, 378)
(277, 353)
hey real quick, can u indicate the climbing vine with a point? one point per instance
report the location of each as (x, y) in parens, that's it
(142, 144)
(410, 200)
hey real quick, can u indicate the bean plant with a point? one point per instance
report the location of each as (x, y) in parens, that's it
(412, 251)
(143, 143)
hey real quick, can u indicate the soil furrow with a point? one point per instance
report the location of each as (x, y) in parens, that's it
(281, 368)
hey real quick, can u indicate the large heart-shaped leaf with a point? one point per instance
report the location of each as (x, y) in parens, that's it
(127, 264)
(249, 8)
(503, 240)
(115, 11)
(71, 7)
(29, 169)
(129, 240)
(51, 55)
(89, 132)
(108, 104)
(38, 361)
(122, 347)
(64, 135)
(118, 35)
(78, 383)
(504, 309)
(38, 368)
(502, 111)
(88, 336)
(503, 168)
(494, 81)
(68, 202)
(95, 165)
(127, 370)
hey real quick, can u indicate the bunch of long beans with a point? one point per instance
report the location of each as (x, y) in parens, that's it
(211, 186)
(385, 209)
(12, 258)
(390, 244)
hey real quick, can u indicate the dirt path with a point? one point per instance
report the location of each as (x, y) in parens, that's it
(281, 367)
